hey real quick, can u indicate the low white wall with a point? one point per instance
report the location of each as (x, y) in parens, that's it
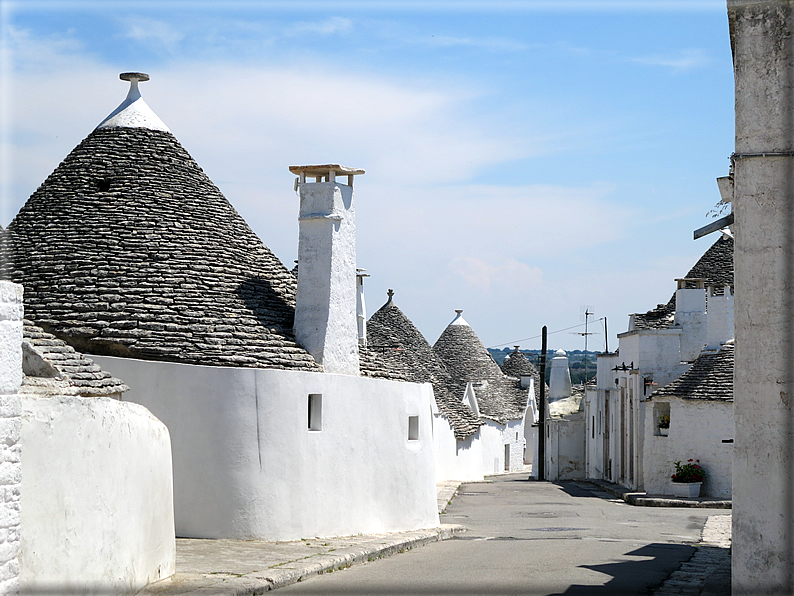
(697, 429)
(246, 465)
(456, 460)
(97, 513)
(480, 455)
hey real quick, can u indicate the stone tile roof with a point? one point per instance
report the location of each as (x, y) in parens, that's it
(51, 367)
(373, 362)
(129, 249)
(715, 266)
(500, 398)
(399, 342)
(709, 378)
(516, 365)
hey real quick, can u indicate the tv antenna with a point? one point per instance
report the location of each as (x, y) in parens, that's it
(586, 313)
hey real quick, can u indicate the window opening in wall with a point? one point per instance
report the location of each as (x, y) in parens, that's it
(413, 428)
(661, 418)
(507, 457)
(315, 411)
(516, 436)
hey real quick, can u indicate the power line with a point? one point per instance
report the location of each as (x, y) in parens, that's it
(510, 343)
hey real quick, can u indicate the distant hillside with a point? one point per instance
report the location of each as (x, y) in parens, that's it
(576, 361)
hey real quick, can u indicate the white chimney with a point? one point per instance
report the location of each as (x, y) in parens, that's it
(719, 318)
(560, 377)
(325, 306)
(690, 315)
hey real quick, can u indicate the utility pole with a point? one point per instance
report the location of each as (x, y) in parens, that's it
(542, 410)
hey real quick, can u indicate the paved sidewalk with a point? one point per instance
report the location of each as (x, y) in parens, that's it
(446, 491)
(708, 572)
(243, 567)
(645, 500)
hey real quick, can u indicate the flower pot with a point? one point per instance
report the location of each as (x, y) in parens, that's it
(664, 431)
(686, 489)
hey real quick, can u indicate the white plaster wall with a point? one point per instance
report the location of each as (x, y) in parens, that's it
(97, 503)
(246, 466)
(565, 448)
(11, 314)
(594, 434)
(325, 308)
(719, 319)
(513, 435)
(762, 36)
(697, 429)
(690, 315)
(456, 460)
(494, 437)
(653, 351)
(531, 418)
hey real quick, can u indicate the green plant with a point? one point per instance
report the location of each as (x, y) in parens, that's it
(691, 471)
(664, 421)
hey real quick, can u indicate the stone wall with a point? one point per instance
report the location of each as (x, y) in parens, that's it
(11, 312)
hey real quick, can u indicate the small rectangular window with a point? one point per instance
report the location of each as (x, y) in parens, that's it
(315, 411)
(413, 428)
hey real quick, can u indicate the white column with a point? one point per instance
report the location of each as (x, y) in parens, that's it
(763, 503)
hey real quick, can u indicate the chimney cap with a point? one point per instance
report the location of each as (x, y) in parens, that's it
(134, 76)
(323, 170)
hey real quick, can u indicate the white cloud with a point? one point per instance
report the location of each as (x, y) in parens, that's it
(151, 30)
(507, 274)
(487, 43)
(683, 61)
(327, 27)
(441, 241)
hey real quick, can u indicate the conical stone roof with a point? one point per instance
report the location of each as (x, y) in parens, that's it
(465, 357)
(517, 365)
(129, 249)
(399, 343)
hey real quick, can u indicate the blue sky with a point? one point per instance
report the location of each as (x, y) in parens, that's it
(524, 159)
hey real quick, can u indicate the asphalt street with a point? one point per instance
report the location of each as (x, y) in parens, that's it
(529, 537)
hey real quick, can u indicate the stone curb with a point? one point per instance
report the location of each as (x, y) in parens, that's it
(263, 581)
(644, 500)
(446, 491)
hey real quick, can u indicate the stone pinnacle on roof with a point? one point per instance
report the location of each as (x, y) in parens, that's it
(465, 357)
(459, 320)
(401, 344)
(134, 112)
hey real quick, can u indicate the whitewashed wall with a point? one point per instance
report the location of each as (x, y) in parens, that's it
(565, 448)
(11, 313)
(97, 514)
(246, 465)
(456, 460)
(697, 429)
